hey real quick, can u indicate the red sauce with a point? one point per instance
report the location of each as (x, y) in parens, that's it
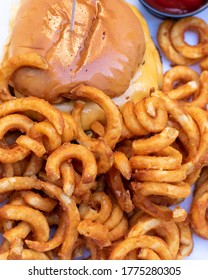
(176, 6)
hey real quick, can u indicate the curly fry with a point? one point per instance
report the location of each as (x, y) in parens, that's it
(177, 37)
(34, 104)
(36, 201)
(171, 176)
(122, 163)
(33, 166)
(201, 100)
(168, 159)
(148, 145)
(168, 231)
(27, 254)
(83, 244)
(184, 119)
(98, 208)
(195, 88)
(35, 146)
(67, 204)
(53, 243)
(131, 121)
(97, 146)
(10, 66)
(49, 135)
(11, 122)
(122, 195)
(129, 244)
(98, 232)
(180, 190)
(152, 114)
(33, 217)
(70, 128)
(201, 119)
(165, 43)
(15, 251)
(198, 209)
(98, 128)
(204, 64)
(68, 152)
(119, 230)
(113, 117)
(20, 231)
(185, 77)
(186, 240)
(68, 177)
(144, 191)
(148, 254)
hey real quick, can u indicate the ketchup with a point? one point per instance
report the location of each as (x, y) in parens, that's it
(176, 6)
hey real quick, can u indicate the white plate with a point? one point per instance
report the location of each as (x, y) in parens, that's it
(7, 7)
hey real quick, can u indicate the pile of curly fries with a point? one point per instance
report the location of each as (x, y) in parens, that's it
(115, 190)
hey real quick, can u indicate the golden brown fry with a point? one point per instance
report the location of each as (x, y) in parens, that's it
(122, 164)
(20, 212)
(168, 159)
(197, 51)
(20, 231)
(98, 232)
(34, 104)
(12, 122)
(180, 190)
(179, 114)
(168, 231)
(148, 254)
(142, 192)
(70, 128)
(98, 128)
(198, 219)
(54, 242)
(35, 200)
(152, 114)
(122, 195)
(14, 63)
(119, 231)
(68, 177)
(201, 119)
(15, 251)
(48, 133)
(27, 254)
(171, 176)
(68, 152)
(129, 244)
(181, 82)
(204, 64)
(33, 166)
(156, 142)
(68, 205)
(166, 45)
(113, 117)
(98, 208)
(97, 146)
(36, 146)
(131, 121)
(186, 240)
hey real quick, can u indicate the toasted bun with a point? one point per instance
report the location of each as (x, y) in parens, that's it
(110, 48)
(104, 49)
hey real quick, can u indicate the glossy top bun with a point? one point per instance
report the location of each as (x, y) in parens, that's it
(104, 50)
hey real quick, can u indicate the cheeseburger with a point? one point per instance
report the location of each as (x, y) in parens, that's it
(109, 47)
